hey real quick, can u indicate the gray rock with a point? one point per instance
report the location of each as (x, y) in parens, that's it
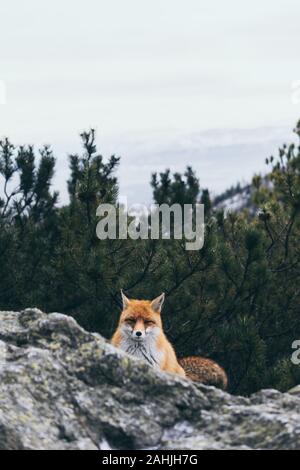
(295, 390)
(64, 388)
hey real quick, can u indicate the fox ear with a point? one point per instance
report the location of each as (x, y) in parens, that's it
(125, 300)
(157, 303)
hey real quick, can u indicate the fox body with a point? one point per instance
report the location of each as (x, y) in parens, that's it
(205, 371)
(140, 334)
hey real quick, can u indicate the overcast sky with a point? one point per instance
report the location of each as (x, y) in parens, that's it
(164, 82)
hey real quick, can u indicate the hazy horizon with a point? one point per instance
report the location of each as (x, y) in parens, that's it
(164, 84)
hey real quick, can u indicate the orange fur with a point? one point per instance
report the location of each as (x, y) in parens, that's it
(140, 333)
(205, 371)
(144, 316)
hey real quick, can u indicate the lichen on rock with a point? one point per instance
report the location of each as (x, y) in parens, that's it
(62, 387)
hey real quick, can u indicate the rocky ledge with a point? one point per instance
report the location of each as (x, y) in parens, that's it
(64, 388)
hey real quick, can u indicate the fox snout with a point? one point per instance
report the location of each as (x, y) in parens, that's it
(138, 331)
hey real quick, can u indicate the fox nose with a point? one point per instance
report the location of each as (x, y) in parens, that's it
(138, 333)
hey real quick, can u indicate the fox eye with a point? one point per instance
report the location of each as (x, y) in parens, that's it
(130, 320)
(149, 322)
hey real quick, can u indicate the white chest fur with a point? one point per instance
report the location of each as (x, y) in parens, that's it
(146, 350)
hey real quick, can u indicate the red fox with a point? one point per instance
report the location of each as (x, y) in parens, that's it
(140, 334)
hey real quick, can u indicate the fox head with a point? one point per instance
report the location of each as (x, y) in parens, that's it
(140, 319)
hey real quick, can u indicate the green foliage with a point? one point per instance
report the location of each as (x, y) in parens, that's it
(236, 300)
(181, 189)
